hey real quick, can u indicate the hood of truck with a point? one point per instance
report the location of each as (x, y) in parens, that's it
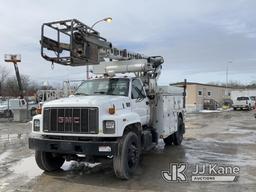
(89, 101)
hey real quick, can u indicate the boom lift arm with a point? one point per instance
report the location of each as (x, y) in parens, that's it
(72, 43)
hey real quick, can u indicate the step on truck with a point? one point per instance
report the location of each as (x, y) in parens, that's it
(116, 115)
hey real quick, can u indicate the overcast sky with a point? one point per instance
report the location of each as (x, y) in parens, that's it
(197, 38)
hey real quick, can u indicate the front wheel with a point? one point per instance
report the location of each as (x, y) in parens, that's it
(128, 155)
(48, 161)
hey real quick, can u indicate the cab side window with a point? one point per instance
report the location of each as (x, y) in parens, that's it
(137, 90)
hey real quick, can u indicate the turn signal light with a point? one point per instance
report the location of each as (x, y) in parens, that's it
(39, 108)
(112, 110)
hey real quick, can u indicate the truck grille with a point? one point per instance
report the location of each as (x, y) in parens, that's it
(71, 120)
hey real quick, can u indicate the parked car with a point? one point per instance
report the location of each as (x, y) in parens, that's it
(243, 102)
(210, 104)
(227, 103)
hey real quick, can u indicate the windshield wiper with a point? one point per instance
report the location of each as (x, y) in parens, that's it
(100, 92)
(115, 94)
(81, 94)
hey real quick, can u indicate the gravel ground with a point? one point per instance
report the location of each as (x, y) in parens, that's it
(226, 138)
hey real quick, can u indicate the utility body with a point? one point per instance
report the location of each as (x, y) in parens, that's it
(7, 107)
(110, 116)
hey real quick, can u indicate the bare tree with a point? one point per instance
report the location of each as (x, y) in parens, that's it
(4, 73)
(11, 86)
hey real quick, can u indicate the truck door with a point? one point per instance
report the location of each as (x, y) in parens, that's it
(140, 102)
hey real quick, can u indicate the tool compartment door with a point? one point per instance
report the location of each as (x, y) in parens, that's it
(165, 117)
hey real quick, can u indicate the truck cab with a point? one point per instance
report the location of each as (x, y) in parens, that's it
(103, 115)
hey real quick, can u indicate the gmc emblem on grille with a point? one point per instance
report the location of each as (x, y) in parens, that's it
(75, 120)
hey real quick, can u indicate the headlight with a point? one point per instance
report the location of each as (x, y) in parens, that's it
(109, 127)
(36, 125)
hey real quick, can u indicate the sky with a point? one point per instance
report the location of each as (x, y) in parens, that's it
(197, 38)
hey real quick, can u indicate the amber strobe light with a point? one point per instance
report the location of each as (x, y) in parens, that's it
(112, 110)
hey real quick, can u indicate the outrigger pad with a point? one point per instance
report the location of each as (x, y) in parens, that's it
(70, 42)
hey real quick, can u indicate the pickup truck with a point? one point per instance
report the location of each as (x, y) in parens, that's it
(243, 102)
(7, 107)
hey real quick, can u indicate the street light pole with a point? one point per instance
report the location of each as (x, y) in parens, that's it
(227, 68)
(108, 20)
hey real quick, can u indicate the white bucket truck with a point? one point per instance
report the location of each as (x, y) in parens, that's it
(109, 116)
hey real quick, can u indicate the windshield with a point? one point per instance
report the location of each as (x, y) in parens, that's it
(118, 87)
(242, 98)
(3, 103)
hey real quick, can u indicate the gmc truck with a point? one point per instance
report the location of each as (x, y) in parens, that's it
(115, 115)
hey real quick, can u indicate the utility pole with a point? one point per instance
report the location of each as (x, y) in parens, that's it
(227, 68)
(108, 20)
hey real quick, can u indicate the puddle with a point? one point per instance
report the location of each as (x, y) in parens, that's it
(3, 185)
(28, 167)
(232, 138)
(4, 155)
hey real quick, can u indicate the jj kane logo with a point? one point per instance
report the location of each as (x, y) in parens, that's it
(178, 172)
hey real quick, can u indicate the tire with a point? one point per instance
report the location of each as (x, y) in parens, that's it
(178, 135)
(128, 156)
(48, 161)
(8, 114)
(168, 140)
(235, 109)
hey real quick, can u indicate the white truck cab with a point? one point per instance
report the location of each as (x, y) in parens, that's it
(97, 118)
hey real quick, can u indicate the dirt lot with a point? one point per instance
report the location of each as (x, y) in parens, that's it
(227, 138)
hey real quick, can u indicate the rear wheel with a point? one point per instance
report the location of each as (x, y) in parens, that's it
(127, 158)
(168, 140)
(48, 161)
(178, 135)
(8, 114)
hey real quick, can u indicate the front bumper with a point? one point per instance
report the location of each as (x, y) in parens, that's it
(240, 106)
(97, 148)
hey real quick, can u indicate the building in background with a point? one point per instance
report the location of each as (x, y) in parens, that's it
(200, 96)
